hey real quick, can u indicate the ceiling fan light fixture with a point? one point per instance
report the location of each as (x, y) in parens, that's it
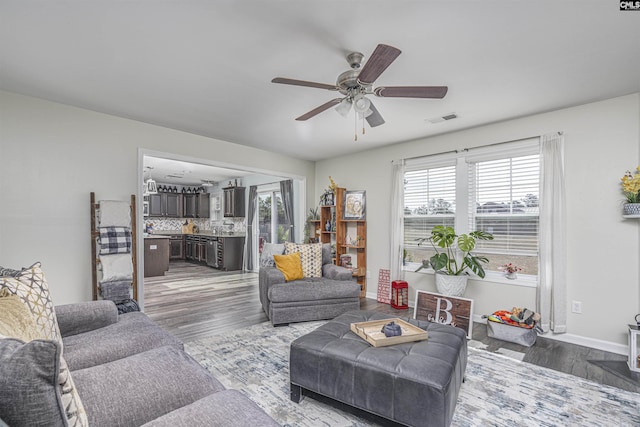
(344, 107)
(361, 104)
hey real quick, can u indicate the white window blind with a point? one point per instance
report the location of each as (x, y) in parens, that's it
(504, 196)
(430, 200)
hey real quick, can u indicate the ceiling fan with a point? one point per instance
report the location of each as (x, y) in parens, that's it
(357, 83)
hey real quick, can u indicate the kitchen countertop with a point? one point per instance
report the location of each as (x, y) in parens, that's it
(155, 236)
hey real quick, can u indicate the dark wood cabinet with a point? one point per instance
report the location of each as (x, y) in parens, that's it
(234, 202)
(176, 247)
(196, 205)
(165, 205)
(156, 256)
(196, 248)
(230, 251)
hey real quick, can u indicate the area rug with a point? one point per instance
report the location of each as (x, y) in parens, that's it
(498, 390)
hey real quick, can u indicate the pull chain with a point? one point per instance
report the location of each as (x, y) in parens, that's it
(355, 127)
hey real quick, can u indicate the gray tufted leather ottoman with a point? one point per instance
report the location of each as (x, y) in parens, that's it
(416, 384)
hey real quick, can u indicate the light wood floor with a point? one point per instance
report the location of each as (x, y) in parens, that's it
(193, 302)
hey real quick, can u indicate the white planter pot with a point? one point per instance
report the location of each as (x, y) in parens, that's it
(453, 286)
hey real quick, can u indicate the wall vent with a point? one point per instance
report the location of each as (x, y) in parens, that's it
(444, 118)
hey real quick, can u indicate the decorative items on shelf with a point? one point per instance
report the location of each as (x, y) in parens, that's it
(345, 261)
(328, 198)
(510, 270)
(354, 205)
(354, 241)
(631, 190)
(191, 190)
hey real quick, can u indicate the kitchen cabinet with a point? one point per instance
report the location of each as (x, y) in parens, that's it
(195, 248)
(176, 247)
(156, 255)
(230, 251)
(234, 202)
(196, 205)
(165, 205)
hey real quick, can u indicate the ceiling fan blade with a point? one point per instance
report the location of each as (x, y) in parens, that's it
(375, 119)
(380, 59)
(411, 91)
(286, 81)
(319, 109)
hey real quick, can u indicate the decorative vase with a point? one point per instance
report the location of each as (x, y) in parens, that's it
(511, 276)
(631, 208)
(453, 286)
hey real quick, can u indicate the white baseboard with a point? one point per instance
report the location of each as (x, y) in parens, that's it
(609, 346)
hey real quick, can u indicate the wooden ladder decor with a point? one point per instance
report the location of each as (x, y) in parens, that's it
(95, 233)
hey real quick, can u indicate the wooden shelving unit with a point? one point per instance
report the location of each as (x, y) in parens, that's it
(341, 235)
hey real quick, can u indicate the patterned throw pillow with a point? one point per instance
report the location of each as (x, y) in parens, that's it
(16, 319)
(31, 286)
(17, 322)
(268, 251)
(310, 256)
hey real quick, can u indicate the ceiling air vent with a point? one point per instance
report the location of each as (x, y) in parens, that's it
(444, 118)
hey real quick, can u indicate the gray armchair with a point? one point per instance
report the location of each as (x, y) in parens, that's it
(310, 298)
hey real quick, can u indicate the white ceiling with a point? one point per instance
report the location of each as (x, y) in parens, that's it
(206, 66)
(179, 172)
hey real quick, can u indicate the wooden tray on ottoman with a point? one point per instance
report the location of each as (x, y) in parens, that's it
(371, 332)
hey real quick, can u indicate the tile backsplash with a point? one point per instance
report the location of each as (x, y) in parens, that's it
(204, 224)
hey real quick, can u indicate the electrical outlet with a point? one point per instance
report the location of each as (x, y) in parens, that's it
(368, 274)
(576, 307)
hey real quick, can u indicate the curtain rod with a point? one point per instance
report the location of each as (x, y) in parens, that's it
(475, 148)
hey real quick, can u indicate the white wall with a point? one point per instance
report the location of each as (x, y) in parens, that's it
(53, 156)
(602, 140)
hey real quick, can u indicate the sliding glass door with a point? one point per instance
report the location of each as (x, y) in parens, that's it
(272, 223)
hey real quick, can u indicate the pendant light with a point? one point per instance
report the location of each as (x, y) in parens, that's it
(151, 186)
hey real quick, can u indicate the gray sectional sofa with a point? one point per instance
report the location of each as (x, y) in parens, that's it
(127, 372)
(307, 299)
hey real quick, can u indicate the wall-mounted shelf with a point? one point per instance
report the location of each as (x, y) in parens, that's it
(631, 216)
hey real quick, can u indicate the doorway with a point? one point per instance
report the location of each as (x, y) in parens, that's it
(222, 173)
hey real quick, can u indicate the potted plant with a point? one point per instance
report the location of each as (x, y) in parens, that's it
(510, 270)
(454, 258)
(631, 190)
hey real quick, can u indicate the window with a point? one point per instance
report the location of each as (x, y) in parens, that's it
(493, 190)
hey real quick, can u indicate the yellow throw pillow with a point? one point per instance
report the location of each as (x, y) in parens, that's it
(290, 265)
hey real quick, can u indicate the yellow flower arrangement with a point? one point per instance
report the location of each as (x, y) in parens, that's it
(631, 186)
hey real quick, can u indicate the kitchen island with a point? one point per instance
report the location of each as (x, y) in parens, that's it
(156, 255)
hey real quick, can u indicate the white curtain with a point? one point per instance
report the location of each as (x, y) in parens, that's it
(552, 290)
(397, 220)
